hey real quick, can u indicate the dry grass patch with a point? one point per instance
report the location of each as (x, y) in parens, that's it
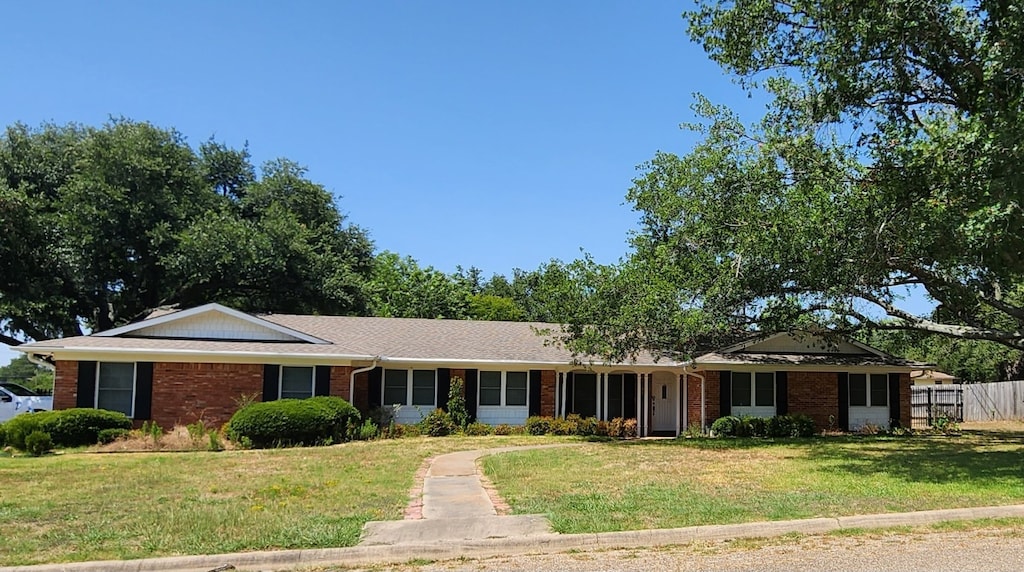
(601, 487)
(81, 506)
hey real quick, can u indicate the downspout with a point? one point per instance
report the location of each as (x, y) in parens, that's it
(352, 379)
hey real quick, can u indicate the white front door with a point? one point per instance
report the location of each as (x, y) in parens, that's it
(664, 389)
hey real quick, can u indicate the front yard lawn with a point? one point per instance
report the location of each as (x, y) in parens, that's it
(600, 487)
(78, 506)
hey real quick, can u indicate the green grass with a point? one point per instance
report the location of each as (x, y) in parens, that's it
(664, 484)
(76, 507)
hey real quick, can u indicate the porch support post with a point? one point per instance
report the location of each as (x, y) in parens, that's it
(604, 401)
(565, 391)
(650, 402)
(597, 390)
(679, 396)
(558, 397)
(639, 401)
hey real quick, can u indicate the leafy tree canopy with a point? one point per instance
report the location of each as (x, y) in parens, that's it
(890, 156)
(100, 225)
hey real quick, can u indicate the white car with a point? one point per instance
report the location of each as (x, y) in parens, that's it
(15, 399)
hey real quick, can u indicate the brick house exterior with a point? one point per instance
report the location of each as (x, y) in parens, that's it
(201, 363)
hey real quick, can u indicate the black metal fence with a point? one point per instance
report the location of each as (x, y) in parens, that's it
(929, 403)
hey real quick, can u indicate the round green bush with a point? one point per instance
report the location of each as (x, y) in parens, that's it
(79, 427)
(37, 443)
(287, 422)
(728, 426)
(477, 429)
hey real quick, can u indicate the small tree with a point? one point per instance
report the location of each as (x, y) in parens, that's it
(457, 403)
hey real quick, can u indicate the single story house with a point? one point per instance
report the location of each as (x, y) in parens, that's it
(177, 367)
(932, 377)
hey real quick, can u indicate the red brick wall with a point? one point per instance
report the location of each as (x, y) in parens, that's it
(693, 400)
(341, 376)
(361, 399)
(815, 394)
(906, 412)
(547, 392)
(712, 394)
(65, 385)
(185, 392)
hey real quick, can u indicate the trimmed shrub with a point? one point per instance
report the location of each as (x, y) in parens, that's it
(67, 427)
(286, 422)
(629, 429)
(38, 443)
(602, 429)
(437, 424)
(537, 425)
(584, 426)
(505, 429)
(562, 426)
(477, 429)
(110, 435)
(400, 431)
(728, 426)
(3, 435)
(780, 426)
(803, 426)
(615, 428)
(756, 426)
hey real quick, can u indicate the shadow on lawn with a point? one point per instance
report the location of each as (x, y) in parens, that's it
(976, 456)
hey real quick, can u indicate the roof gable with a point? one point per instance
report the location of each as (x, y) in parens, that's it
(212, 322)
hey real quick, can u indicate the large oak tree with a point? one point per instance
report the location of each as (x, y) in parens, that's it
(100, 225)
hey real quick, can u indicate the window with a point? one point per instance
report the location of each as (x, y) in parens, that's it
(503, 388)
(756, 392)
(741, 389)
(869, 391)
(515, 388)
(395, 387)
(296, 382)
(490, 388)
(423, 392)
(764, 389)
(405, 387)
(621, 395)
(115, 387)
(584, 398)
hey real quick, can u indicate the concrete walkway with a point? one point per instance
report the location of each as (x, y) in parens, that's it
(455, 507)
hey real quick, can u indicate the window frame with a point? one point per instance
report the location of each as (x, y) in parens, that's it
(280, 381)
(135, 382)
(869, 383)
(752, 376)
(504, 388)
(409, 377)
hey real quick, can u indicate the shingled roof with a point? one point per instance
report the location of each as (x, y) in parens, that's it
(360, 339)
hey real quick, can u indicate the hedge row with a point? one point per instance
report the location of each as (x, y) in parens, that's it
(66, 427)
(573, 424)
(780, 426)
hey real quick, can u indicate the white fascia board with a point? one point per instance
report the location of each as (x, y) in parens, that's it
(735, 366)
(211, 307)
(80, 353)
(505, 364)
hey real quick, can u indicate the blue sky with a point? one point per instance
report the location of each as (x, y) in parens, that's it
(489, 134)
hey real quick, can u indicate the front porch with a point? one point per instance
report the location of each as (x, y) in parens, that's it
(654, 398)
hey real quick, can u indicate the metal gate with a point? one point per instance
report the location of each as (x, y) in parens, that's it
(931, 402)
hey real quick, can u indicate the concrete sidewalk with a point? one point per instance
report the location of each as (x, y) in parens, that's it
(456, 507)
(546, 543)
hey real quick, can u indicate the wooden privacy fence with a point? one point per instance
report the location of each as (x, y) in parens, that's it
(994, 401)
(929, 403)
(975, 402)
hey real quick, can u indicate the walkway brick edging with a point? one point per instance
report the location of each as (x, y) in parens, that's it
(501, 507)
(414, 510)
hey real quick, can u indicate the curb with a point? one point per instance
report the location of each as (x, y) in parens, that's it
(549, 543)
